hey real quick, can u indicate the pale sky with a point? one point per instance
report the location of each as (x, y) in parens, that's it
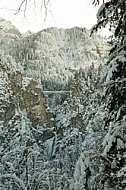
(65, 14)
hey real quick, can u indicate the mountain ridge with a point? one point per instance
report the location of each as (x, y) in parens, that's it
(53, 53)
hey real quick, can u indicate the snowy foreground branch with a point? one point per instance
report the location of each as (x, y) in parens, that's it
(16, 179)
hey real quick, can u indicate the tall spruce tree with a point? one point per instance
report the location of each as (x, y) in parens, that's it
(113, 13)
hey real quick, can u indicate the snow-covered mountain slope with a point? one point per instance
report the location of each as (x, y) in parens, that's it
(6, 27)
(8, 35)
(55, 55)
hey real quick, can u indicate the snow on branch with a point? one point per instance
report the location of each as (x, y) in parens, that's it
(110, 73)
(16, 179)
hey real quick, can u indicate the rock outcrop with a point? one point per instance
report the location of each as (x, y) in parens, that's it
(7, 28)
(18, 92)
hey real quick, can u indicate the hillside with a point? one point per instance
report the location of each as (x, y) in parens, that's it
(53, 56)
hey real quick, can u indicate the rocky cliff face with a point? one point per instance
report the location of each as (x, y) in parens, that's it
(18, 92)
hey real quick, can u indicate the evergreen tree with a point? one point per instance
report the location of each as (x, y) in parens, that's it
(113, 13)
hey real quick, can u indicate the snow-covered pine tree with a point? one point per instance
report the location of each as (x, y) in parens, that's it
(113, 13)
(22, 160)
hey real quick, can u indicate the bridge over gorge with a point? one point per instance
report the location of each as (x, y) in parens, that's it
(54, 98)
(57, 92)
